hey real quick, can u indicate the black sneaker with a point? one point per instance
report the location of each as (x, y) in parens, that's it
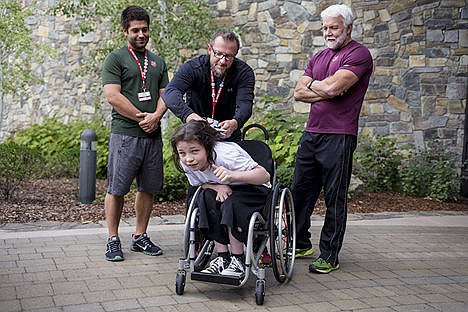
(114, 249)
(216, 266)
(145, 245)
(235, 268)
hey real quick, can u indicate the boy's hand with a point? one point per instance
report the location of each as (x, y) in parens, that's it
(224, 174)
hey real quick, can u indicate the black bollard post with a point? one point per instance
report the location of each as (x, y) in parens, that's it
(88, 151)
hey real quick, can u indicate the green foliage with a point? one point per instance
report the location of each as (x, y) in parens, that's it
(59, 143)
(175, 25)
(18, 48)
(17, 163)
(430, 172)
(285, 130)
(175, 182)
(284, 174)
(377, 163)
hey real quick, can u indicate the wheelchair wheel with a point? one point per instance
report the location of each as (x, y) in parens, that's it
(180, 282)
(282, 233)
(260, 292)
(192, 209)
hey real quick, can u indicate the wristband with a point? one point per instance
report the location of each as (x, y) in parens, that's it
(310, 84)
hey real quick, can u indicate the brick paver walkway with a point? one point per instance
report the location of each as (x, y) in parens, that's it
(386, 265)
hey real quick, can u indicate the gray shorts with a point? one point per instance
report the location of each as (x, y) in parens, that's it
(134, 157)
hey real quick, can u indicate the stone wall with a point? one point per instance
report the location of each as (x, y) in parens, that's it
(418, 89)
(419, 85)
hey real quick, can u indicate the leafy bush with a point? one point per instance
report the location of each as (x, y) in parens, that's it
(377, 163)
(285, 131)
(175, 182)
(17, 163)
(284, 174)
(59, 144)
(430, 172)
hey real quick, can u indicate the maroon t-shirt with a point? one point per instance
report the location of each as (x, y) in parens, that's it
(340, 114)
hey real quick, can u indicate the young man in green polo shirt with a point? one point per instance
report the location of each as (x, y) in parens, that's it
(133, 79)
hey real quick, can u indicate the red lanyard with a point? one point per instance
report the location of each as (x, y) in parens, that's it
(214, 95)
(143, 70)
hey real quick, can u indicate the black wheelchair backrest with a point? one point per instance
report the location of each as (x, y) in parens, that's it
(259, 151)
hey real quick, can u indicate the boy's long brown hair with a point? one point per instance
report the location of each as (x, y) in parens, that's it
(199, 131)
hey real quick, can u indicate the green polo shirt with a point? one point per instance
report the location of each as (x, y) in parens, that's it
(121, 68)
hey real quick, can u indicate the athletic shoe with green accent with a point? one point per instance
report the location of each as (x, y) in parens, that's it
(304, 252)
(322, 266)
(114, 249)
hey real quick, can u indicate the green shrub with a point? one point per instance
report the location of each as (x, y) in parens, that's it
(59, 144)
(430, 172)
(285, 130)
(17, 163)
(377, 163)
(284, 174)
(175, 182)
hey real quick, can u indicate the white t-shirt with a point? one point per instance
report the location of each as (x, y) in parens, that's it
(228, 155)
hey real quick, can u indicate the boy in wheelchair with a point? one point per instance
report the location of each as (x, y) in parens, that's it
(234, 186)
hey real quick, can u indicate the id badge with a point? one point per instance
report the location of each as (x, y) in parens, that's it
(144, 96)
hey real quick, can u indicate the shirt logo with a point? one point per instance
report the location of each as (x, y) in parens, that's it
(153, 63)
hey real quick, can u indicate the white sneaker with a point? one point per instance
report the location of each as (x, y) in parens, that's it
(216, 266)
(235, 268)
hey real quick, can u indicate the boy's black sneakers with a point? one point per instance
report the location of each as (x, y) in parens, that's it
(145, 245)
(114, 249)
(235, 268)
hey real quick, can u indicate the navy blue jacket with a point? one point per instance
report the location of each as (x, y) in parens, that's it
(189, 91)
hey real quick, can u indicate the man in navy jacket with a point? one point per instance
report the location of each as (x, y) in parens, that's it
(217, 87)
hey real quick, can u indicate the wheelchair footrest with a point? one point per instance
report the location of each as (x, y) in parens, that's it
(216, 278)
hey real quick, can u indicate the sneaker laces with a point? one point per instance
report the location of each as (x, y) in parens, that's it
(144, 239)
(321, 261)
(215, 264)
(114, 245)
(236, 263)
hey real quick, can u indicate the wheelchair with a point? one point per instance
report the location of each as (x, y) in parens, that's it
(274, 227)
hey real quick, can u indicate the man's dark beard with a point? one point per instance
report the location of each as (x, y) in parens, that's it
(218, 75)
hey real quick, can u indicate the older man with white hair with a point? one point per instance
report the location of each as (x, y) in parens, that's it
(334, 83)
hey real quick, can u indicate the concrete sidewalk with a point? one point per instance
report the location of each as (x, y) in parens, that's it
(389, 262)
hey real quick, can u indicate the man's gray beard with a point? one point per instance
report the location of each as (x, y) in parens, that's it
(218, 75)
(338, 42)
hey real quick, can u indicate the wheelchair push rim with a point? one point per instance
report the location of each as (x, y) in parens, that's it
(282, 233)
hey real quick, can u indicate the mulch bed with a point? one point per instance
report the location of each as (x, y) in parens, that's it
(57, 200)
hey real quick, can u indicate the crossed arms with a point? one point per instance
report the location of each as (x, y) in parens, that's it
(330, 87)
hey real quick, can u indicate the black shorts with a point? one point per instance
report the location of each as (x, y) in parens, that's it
(234, 212)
